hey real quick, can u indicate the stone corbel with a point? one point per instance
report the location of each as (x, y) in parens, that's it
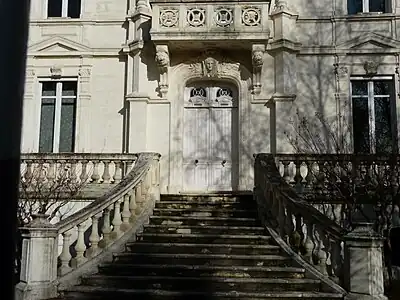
(371, 68)
(257, 58)
(163, 62)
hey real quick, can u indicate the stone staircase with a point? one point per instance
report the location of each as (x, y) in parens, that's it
(201, 247)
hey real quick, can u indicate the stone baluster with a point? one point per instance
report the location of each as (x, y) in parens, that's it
(321, 174)
(139, 198)
(84, 176)
(128, 166)
(310, 174)
(117, 220)
(118, 171)
(336, 259)
(51, 171)
(65, 256)
(73, 171)
(106, 172)
(321, 252)
(297, 177)
(286, 175)
(80, 247)
(63, 170)
(132, 205)
(309, 243)
(289, 227)
(28, 170)
(106, 229)
(94, 237)
(126, 214)
(282, 219)
(95, 175)
(41, 171)
(297, 236)
(157, 191)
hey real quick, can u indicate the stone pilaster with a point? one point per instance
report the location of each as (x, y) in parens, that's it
(363, 264)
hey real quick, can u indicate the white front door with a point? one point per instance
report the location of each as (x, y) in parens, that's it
(210, 146)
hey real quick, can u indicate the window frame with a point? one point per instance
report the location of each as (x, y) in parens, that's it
(371, 108)
(57, 110)
(64, 10)
(365, 8)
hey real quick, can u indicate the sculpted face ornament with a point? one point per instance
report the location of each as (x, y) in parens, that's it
(210, 67)
(162, 59)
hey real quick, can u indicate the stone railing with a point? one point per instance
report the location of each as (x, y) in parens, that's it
(90, 235)
(340, 259)
(89, 168)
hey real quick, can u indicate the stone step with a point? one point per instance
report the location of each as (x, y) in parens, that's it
(202, 259)
(201, 270)
(227, 197)
(199, 284)
(90, 292)
(143, 247)
(205, 204)
(204, 238)
(250, 230)
(205, 212)
(217, 221)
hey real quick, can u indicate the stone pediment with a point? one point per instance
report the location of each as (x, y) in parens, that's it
(370, 42)
(57, 45)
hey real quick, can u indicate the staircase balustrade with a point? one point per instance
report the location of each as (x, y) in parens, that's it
(98, 229)
(325, 247)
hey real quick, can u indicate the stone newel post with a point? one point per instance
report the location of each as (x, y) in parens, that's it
(363, 264)
(39, 261)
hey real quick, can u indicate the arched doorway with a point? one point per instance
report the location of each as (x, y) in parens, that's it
(210, 137)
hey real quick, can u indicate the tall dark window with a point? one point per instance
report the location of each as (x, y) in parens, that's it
(366, 6)
(64, 8)
(58, 116)
(373, 116)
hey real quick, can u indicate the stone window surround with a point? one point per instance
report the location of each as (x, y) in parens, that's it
(32, 99)
(390, 3)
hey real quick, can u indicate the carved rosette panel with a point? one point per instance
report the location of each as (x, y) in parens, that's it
(251, 16)
(196, 17)
(223, 16)
(169, 17)
(84, 83)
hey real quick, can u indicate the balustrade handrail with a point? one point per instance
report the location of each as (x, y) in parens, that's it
(338, 157)
(290, 194)
(77, 156)
(142, 165)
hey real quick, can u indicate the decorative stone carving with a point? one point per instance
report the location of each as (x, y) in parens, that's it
(251, 16)
(281, 5)
(84, 72)
(223, 16)
(169, 17)
(163, 62)
(198, 96)
(371, 68)
(212, 65)
(55, 72)
(341, 71)
(84, 83)
(30, 73)
(196, 17)
(257, 56)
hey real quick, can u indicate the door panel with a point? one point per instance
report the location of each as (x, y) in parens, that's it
(210, 144)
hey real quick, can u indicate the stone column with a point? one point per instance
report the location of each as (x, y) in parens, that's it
(363, 266)
(39, 261)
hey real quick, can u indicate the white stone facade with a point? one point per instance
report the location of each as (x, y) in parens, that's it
(134, 60)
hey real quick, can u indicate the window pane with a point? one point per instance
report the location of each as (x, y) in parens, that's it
(382, 87)
(354, 6)
(49, 88)
(74, 8)
(67, 125)
(361, 128)
(359, 88)
(383, 126)
(47, 125)
(377, 5)
(54, 8)
(69, 88)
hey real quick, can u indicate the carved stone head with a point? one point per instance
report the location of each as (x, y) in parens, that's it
(371, 67)
(162, 59)
(210, 67)
(257, 58)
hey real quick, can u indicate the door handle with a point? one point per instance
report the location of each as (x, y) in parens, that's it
(196, 161)
(223, 163)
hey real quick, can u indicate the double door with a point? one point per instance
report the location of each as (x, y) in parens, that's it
(210, 144)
